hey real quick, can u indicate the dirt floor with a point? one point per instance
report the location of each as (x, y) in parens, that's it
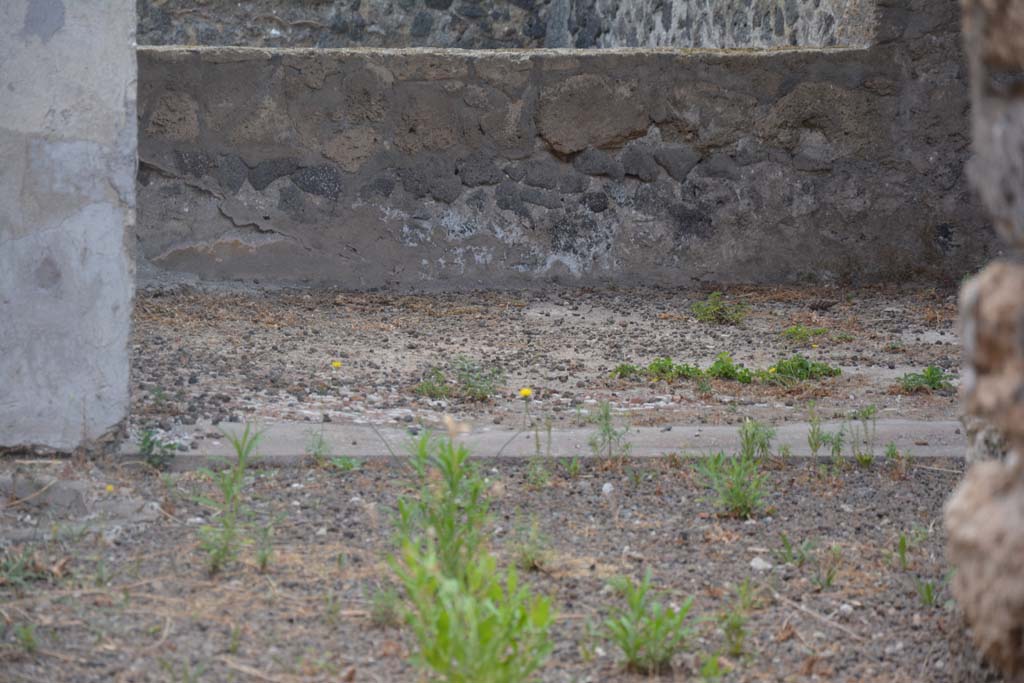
(202, 357)
(138, 605)
(103, 577)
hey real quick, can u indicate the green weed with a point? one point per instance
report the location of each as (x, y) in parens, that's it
(26, 636)
(476, 381)
(795, 555)
(802, 334)
(221, 542)
(434, 385)
(756, 439)
(474, 628)
(647, 631)
(737, 482)
(155, 451)
(531, 549)
(385, 608)
(932, 378)
(450, 509)
(716, 310)
(723, 367)
(607, 441)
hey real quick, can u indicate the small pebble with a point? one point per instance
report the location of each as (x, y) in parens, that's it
(760, 564)
(607, 489)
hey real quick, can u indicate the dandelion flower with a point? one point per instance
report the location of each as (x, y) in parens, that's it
(814, 346)
(772, 371)
(110, 488)
(525, 392)
(335, 364)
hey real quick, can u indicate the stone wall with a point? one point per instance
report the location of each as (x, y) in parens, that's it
(67, 193)
(481, 24)
(432, 168)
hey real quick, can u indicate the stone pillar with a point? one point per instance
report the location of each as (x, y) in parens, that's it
(985, 517)
(67, 207)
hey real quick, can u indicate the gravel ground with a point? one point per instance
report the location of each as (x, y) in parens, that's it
(244, 354)
(141, 606)
(130, 599)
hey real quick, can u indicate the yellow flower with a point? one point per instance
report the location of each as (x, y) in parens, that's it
(525, 392)
(814, 346)
(110, 488)
(335, 364)
(771, 371)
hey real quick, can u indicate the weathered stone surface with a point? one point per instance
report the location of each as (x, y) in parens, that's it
(595, 162)
(770, 167)
(352, 147)
(174, 116)
(588, 110)
(985, 516)
(68, 128)
(478, 169)
(992, 314)
(983, 520)
(231, 172)
(323, 180)
(677, 160)
(510, 23)
(638, 161)
(266, 172)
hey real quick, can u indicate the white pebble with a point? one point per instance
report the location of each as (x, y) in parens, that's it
(607, 489)
(760, 564)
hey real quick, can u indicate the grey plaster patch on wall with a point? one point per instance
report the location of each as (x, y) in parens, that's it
(43, 18)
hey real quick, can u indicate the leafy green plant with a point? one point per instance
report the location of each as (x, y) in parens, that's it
(710, 668)
(221, 542)
(716, 310)
(317, 447)
(345, 464)
(19, 567)
(450, 509)
(802, 334)
(572, 467)
(927, 592)
(531, 550)
(756, 439)
(737, 482)
(434, 385)
(826, 567)
(898, 460)
(734, 629)
(155, 451)
(537, 474)
(608, 441)
(385, 608)
(835, 441)
(863, 435)
(26, 636)
(815, 434)
(473, 630)
(704, 387)
(902, 552)
(795, 555)
(667, 370)
(625, 371)
(476, 381)
(647, 631)
(723, 367)
(797, 368)
(932, 378)
(264, 546)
